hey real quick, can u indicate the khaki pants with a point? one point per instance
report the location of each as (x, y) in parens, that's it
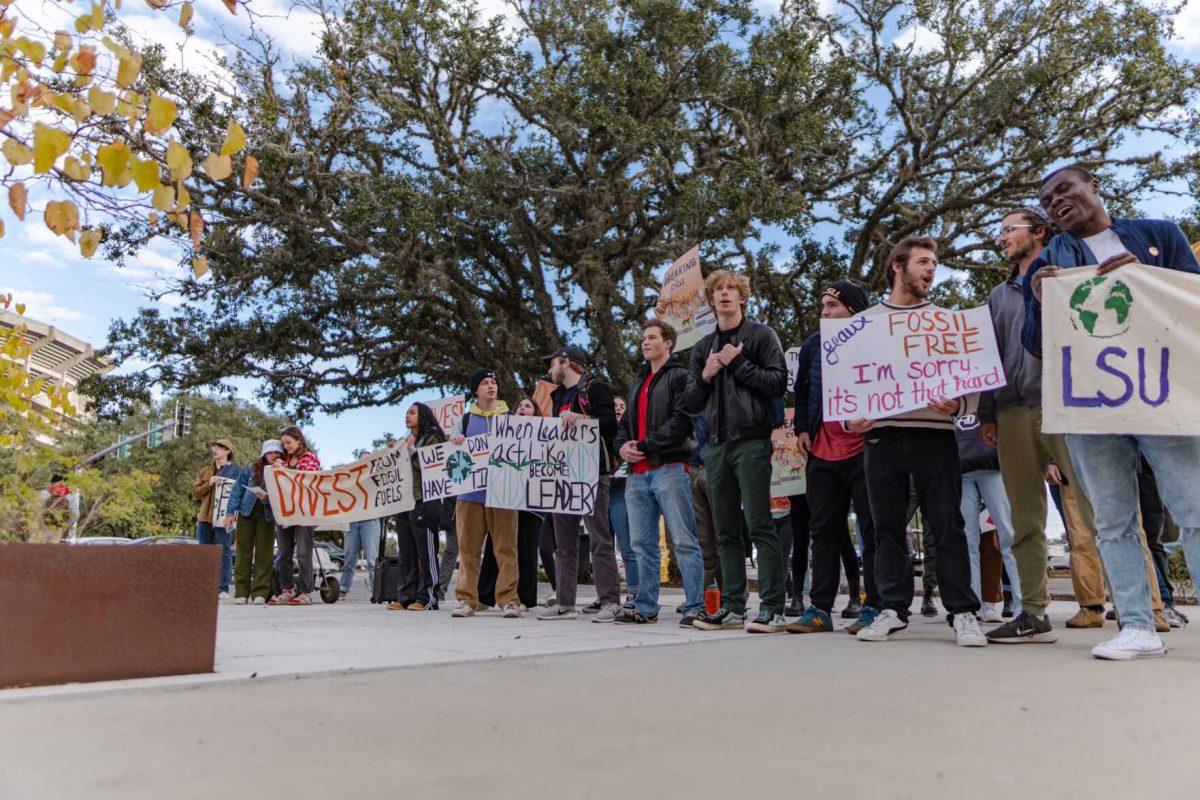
(474, 521)
(1025, 452)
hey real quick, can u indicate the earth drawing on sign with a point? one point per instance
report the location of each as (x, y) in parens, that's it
(1101, 307)
(458, 466)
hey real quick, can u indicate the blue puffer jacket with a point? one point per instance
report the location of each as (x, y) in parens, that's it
(242, 499)
(808, 391)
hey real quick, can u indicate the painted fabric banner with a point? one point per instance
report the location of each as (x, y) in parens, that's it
(377, 485)
(792, 357)
(449, 412)
(537, 464)
(448, 469)
(787, 462)
(879, 365)
(1120, 352)
(682, 303)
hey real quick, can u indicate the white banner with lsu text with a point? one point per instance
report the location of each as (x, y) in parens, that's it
(1120, 352)
(875, 366)
(377, 485)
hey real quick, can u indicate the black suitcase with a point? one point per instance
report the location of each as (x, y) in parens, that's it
(386, 588)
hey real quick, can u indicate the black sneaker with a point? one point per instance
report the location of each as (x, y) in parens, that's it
(1007, 611)
(688, 620)
(594, 608)
(852, 609)
(722, 620)
(627, 617)
(1025, 629)
(928, 607)
(795, 608)
(629, 601)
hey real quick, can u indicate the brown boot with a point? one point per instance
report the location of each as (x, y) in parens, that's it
(1086, 618)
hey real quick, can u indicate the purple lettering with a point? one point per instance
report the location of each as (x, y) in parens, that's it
(1164, 383)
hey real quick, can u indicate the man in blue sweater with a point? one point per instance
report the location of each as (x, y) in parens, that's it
(1107, 463)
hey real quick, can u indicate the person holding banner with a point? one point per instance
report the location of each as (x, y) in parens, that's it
(917, 447)
(835, 479)
(581, 395)
(1107, 462)
(655, 439)
(417, 530)
(255, 530)
(736, 376)
(209, 519)
(618, 517)
(474, 519)
(295, 539)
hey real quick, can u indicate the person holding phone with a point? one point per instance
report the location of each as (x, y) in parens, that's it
(255, 528)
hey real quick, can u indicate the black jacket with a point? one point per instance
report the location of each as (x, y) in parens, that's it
(752, 385)
(973, 454)
(808, 399)
(594, 400)
(669, 424)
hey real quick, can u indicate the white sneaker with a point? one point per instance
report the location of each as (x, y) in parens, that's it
(966, 631)
(607, 613)
(241, 601)
(992, 612)
(259, 601)
(463, 610)
(883, 628)
(511, 611)
(1173, 617)
(1129, 644)
(223, 596)
(558, 612)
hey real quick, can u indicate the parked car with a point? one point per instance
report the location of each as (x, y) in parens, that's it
(99, 540)
(336, 554)
(165, 540)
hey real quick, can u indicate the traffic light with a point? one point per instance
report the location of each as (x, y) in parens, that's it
(125, 450)
(183, 419)
(155, 438)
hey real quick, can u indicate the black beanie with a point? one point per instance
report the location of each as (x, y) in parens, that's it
(477, 377)
(852, 294)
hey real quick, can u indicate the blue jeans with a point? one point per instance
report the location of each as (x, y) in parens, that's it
(207, 533)
(666, 491)
(618, 518)
(985, 488)
(363, 536)
(1107, 467)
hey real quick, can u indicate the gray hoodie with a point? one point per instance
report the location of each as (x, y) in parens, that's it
(1021, 369)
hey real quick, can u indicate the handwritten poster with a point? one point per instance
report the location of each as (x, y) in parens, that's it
(538, 464)
(449, 412)
(792, 357)
(1119, 352)
(682, 303)
(879, 365)
(448, 469)
(377, 485)
(221, 491)
(787, 462)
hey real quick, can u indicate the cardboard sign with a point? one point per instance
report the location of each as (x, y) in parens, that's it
(1120, 352)
(221, 492)
(449, 412)
(792, 356)
(448, 469)
(682, 303)
(788, 464)
(377, 485)
(538, 464)
(879, 365)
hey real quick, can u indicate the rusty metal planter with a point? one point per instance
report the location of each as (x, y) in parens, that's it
(74, 614)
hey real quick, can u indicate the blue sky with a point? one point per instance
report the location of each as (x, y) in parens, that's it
(84, 296)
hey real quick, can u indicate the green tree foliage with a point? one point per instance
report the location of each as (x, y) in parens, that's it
(442, 191)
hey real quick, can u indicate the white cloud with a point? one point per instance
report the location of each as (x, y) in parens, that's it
(922, 39)
(1187, 26)
(40, 305)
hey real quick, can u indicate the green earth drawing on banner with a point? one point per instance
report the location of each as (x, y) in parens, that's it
(1101, 307)
(458, 466)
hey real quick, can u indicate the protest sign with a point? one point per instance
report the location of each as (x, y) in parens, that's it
(221, 491)
(449, 412)
(792, 357)
(1119, 352)
(538, 464)
(377, 485)
(541, 398)
(448, 469)
(787, 462)
(682, 303)
(879, 365)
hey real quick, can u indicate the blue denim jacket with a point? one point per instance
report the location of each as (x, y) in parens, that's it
(1155, 242)
(242, 499)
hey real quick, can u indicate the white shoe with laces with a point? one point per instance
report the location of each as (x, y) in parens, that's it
(967, 632)
(884, 628)
(992, 612)
(1129, 644)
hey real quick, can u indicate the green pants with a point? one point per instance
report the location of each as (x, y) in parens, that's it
(739, 483)
(255, 542)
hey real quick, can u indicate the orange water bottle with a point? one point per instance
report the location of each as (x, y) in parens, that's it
(712, 599)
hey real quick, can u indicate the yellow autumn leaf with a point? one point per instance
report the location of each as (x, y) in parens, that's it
(20, 307)
(6, 116)
(76, 170)
(145, 174)
(1, 229)
(231, 5)
(128, 69)
(102, 102)
(250, 173)
(89, 240)
(160, 116)
(200, 266)
(93, 21)
(195, 229)
(7, 26)
(157, 4)
(185, 198)
(62, 216)
(163, 198)
(34, 51)
(16, 199)
(113, 160)
(152, 218)
(178, 161)
(185, 15)
(48, 144)
(16, 153)
(235, 140)
(60, 63)
(63, 41)
(81, 110)
(218, 167)
(84, 60)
